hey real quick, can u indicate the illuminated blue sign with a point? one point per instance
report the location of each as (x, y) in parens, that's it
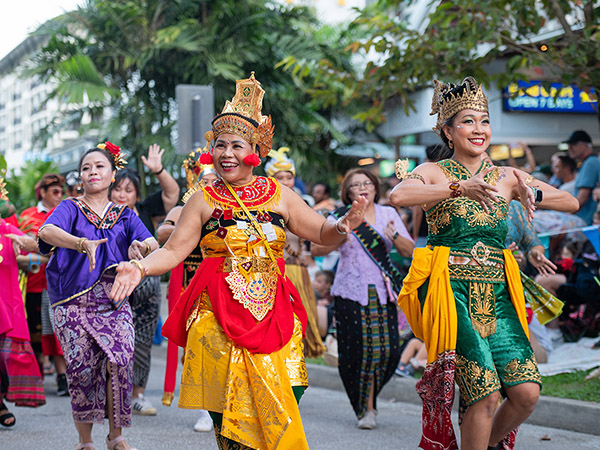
(533, 97)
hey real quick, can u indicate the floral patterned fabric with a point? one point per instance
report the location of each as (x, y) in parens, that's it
(92, 333)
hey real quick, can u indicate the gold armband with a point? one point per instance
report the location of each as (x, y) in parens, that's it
(143, 270)
(414, 176)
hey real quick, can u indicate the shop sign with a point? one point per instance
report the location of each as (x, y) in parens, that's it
(533, 97)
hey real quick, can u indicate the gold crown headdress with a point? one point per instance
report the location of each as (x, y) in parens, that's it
(242, 116)
(115, 153)
(449, 99)
(195, 170)
(279, 162)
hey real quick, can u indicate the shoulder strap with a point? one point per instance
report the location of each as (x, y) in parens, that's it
(255, 224)
(374, 245)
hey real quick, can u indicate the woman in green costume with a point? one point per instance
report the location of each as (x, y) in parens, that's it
(463, 295)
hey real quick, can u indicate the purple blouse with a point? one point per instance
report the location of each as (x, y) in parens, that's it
(356, 270)
(68, 270)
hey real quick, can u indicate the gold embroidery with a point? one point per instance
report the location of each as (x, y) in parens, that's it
(450, 175)
(493, 177)
(480, 218)
(252, 391)
(254, 289)
(477, 273)
(482, 308)
(295, 364)
(481, 253)
(474, 381)
(466, 208)
(257, 263)
(520, 372)
(438, 218)
(202, 302)
(262, 194)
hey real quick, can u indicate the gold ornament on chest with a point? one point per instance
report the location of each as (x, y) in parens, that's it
(253, 287)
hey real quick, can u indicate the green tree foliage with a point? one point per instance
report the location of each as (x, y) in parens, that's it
(125, 59)
(21, 185)
(463, 37)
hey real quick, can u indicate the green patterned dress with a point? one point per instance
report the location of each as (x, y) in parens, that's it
(492, 349)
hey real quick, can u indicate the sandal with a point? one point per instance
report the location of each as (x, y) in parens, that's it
(49, 369)
(83, 445)
(6, 417)
(112, 445)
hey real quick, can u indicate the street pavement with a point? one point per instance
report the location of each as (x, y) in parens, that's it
(327, 416)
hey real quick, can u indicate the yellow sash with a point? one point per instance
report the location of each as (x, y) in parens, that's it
(436, 322)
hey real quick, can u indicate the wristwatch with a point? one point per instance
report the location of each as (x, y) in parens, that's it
(538, 194)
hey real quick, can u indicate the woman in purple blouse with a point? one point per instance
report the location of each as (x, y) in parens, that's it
(87, 237)
(365, 290)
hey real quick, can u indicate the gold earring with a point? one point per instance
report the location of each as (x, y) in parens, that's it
(113, 180)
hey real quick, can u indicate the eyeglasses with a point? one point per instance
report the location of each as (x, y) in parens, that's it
(367, 184)
(56, 191)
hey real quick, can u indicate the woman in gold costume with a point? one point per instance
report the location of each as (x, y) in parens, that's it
(283, 170)
(463, 295)
(240, 318)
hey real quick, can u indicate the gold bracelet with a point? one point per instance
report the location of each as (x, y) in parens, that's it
(79, 245)
(148, 248)
(143, 270)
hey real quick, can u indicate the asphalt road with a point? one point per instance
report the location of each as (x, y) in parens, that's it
(328, 421)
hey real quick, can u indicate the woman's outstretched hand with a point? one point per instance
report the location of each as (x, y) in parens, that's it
(128, 277)
(89, 247)
(538, 259)
(526, 195)
(136, 250)
(22, 242)
(355, 215)
(154, 159)
(479, 190)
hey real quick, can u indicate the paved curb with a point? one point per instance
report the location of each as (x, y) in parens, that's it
(565, 414)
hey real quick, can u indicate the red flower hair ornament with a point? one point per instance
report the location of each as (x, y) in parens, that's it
(115, 152)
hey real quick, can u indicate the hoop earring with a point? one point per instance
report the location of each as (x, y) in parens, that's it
(450, 145)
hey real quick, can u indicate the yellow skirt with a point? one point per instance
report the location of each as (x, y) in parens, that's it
(252, 391)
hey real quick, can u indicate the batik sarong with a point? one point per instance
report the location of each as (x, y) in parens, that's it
(93, 333)
(368, 347)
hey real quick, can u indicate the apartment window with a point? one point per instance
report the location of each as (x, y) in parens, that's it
(17, 115)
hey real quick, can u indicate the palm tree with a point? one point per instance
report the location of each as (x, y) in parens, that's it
(117, 64)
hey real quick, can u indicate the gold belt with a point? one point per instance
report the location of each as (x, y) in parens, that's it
(257, 263)
(480, 255)
(481, 263)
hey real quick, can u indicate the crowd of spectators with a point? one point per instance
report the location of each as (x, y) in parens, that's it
(575, 280)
